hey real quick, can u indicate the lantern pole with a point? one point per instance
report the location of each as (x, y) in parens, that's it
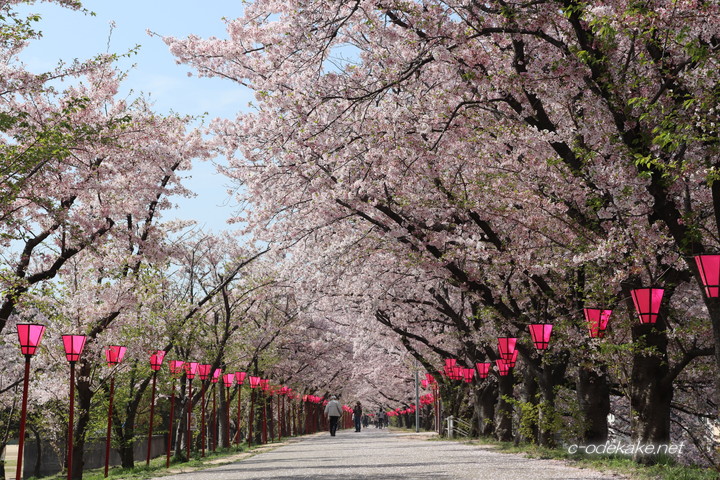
(239, 414)
(114, 356)
(417, 397)
(175, 367)
(29, 336)
(23, 415)
(71, 420)
(155, 364)
(73, 349)
(188, 441)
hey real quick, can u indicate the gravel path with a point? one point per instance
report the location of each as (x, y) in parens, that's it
(380, 455)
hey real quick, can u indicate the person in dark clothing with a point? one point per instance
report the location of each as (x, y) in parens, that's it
(357, 416)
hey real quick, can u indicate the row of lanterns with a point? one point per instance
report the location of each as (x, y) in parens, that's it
(30, 335)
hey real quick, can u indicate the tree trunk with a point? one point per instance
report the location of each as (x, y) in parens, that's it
(485, 399)
(82, 413)
(593, 394)
(552, 374)
(504, 410)
(650, 394)
(529, 395)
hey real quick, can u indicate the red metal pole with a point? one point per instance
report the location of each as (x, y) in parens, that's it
(281, 413)
(227, 418)
(250, 416)
(109, 426)
(188, 440)
(263, 438)
(239, 416)
(170, 433)
(214, 423)
(23, 416)
(71, 421)
(152, 417)
(202, 424)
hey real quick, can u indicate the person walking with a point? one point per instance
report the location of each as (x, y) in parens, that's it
(357, 416)
(333, 411)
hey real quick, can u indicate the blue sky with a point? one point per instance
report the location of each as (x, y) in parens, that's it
(69, 34)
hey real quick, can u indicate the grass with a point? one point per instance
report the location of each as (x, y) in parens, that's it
(157, 466)
(665, 469)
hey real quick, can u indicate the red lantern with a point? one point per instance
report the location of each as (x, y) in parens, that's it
(114, 355)
(191, 369)
(506, 347)
(647, 303)
(469, 374)
(709, 267)
(597, 320)
(74, 345)
(511, 363)
(216, 375)
(176, 368)
(204, 371)
(264, 384)
(156, 360)
(29, 336)
(254, 382)
(228, 379)
(430, 378)
(540, 333)
(503, 367)
(483, 369)
(240, 377)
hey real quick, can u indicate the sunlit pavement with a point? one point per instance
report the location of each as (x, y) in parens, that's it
(379, 454)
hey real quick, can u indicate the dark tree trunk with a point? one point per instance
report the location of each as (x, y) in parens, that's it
(593, 394)
(529, 395)
(504, 410)
(82, 413)
(484, 415)
(552, 374)
(650, 393)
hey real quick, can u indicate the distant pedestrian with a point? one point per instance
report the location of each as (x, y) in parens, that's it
(357, 416)
(333, 410)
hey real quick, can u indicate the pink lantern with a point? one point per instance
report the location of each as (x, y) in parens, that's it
(191, 369)
(216, 375)
(29, 336)
(204, 371)
(540, 333)
(456, 372)
(264, 384)
(156, 359)
(254, 382)
(503, 367)
(228, 379)
(647, 303)
(114, 354)
(430, 378)
(176, 368)
(483, 369)
(74, 345)
(709, 268)
(511, 363)
(597, 320)
(468, 374)
(240, 377)
(506, 347)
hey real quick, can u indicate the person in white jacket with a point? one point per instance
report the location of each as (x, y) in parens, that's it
(334, 411)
